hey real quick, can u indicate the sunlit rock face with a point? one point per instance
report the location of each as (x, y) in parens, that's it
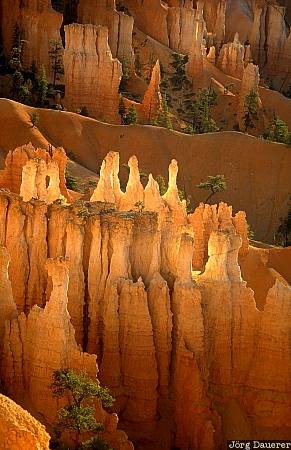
(180, 350)
(37, 23)
(119, 24)
(18, 429)
(92, 75)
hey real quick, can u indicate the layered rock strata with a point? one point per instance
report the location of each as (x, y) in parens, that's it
(32, 351)
(34, 21)
(179, 350)
(92, 75)
(119, 24)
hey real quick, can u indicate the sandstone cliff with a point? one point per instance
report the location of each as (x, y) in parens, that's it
(119, 24)
(92, 76)
(18, 429)
(37, 23)
(179, 350)
(33, 350)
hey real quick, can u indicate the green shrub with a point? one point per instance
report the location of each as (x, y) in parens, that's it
(278, 131)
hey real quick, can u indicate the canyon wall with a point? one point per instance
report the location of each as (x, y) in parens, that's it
(37, 23)
(119, 24)
(180, 350)
(92, 76)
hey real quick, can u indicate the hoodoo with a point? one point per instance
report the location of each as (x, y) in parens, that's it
(145, 224)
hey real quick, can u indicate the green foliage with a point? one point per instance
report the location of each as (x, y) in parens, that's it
(96, 443)
(81, 386)
(251, 110)
(71, 182)
(130, 118)
(179, 79)
(41, 87)
(214, 183)
(125, 76)
(34, 119)
(121, 108)
(251, 234)
(163, 185)
(164, 119)
(79, 414)
(278, 131)
(19, 89)
(78, 418)
(200, 108)
(56, 59)
(283, 235)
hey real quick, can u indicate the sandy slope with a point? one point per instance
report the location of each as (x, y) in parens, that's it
(257, 172)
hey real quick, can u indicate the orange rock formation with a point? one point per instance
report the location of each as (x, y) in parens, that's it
(179, 350)
(32, 352)
(120, 27)
(92, 76)
(151, 105)
(38, 24)
(37, 171)
(18, 429)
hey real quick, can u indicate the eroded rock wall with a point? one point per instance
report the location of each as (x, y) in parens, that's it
(180, 350)
(37, 23)
(92, 75)
(119, 24)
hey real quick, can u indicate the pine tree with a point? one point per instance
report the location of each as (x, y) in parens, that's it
(41, 87)
(56, 59)
(202, 121)
(251, 110)
(283, 235)
(121, 109)
(164, 119)
(278, 131)
(130, 118)
(214, 183)
(19, 91)
(163, 185)
(78, 415)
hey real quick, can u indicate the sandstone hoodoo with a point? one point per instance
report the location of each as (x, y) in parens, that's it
(170, 344)
(145, 224)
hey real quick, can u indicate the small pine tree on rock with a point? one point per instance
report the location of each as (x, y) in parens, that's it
(78, 415)
(278, 131)
(251, 110)
(164, 119)
(56, 59)
(214, 183)
(202, 120)
(41, 87)
(130, 118)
